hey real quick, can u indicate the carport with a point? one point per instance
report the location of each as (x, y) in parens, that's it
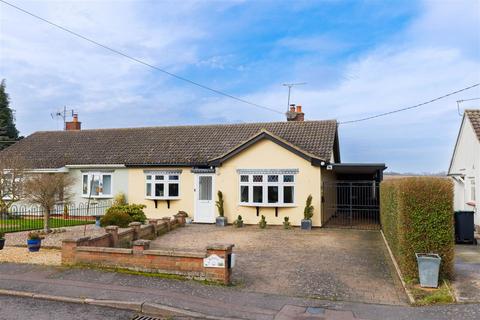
(352, 199)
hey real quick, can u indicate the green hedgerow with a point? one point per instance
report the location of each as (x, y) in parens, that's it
(417, 217)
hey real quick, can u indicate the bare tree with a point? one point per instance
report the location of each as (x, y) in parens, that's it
(47, 190)
(12, 172)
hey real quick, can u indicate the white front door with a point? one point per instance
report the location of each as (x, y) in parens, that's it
(204, 198)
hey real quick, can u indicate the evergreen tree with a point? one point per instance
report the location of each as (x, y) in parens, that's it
(8, 131)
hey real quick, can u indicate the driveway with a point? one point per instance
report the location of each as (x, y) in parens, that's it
(334, 264)
(467, 273)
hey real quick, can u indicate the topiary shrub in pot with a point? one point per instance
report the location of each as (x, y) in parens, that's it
(221, 220)
(239, 222)
(2, 240)
(263, 223)
(307, 214)
(34, 241)
(286, 223)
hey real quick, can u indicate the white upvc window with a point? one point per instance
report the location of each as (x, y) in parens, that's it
(162, 186)
(97, 184)
(267, 190)
(472, 189)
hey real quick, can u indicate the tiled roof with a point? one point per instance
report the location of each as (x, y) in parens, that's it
(474, 116)
(169, 145)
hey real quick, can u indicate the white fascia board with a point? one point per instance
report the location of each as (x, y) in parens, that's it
(94, 166)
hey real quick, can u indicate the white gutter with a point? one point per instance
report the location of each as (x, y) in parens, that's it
(48, 170)
(94, 166)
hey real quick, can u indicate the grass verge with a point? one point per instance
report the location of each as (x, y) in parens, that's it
(431, 296)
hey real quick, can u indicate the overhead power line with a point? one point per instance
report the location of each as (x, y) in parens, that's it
(411, 107)
(78, 35)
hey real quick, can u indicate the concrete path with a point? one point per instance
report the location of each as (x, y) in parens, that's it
(467, 273)
(200, 300)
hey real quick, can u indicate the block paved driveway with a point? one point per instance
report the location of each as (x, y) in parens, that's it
(334, 264)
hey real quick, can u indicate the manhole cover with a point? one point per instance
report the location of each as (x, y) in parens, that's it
(143, 317)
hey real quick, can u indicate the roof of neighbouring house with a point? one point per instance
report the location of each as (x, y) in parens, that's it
(168, 145)
(474, 116)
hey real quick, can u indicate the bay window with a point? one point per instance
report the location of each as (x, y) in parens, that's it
(97, 184)
(275, 188)
(162, 186)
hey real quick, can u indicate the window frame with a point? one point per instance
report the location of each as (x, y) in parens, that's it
(90, 176)
(166, 181)
(265, 184)
(472, 189)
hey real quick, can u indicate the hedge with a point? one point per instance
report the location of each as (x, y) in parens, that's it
(417, 216)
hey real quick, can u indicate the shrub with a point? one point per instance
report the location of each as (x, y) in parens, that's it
(119, 200)
(286, 223)
(239, 222)
(122, 215)
(417, 216)
(219, 204)
(263, 222)
(34, 236)
(2, 235)
(116, 218)
(308, 211)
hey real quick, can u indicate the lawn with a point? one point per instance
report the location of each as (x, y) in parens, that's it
(13, 225)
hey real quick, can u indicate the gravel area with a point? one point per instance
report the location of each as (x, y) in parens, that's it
(51, 257)
(341, 264)
(54, 240)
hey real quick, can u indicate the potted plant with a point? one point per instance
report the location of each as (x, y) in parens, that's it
(239, 222)
(34, 241)
(263, 223)
(286, 223)
(221, 220)
(307, 214)
(2, 240)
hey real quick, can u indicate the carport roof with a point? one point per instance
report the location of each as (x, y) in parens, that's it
(359, 168)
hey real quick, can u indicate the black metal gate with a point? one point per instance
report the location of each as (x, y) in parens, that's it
(351, 204)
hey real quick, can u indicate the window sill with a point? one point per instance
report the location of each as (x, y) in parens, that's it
(162, 198)
(98, 197)
(269, 205)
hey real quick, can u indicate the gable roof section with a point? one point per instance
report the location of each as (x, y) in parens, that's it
(169, 145)
(474, 117)
(264, 134)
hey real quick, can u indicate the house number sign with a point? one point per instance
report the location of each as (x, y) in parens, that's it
(213, 261)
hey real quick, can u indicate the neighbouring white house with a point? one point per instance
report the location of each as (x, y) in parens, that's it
(465, 165)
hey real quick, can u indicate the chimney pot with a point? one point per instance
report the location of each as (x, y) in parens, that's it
(299, 109)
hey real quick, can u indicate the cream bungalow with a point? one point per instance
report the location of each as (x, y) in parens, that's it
(261, 168)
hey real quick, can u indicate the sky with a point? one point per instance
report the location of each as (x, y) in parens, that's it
(358, 58)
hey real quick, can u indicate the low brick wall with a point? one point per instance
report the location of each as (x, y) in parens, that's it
(213, 264)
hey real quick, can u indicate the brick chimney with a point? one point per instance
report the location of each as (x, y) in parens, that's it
(295, 114)
(74, 124)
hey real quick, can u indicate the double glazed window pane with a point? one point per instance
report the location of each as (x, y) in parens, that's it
(258, 194)
(85, 185)
(244, 194)
(288, 194)
(107, 184)
(149, 189)
(205, 188)
(159, 190)
(173, 190)
(273, 194)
